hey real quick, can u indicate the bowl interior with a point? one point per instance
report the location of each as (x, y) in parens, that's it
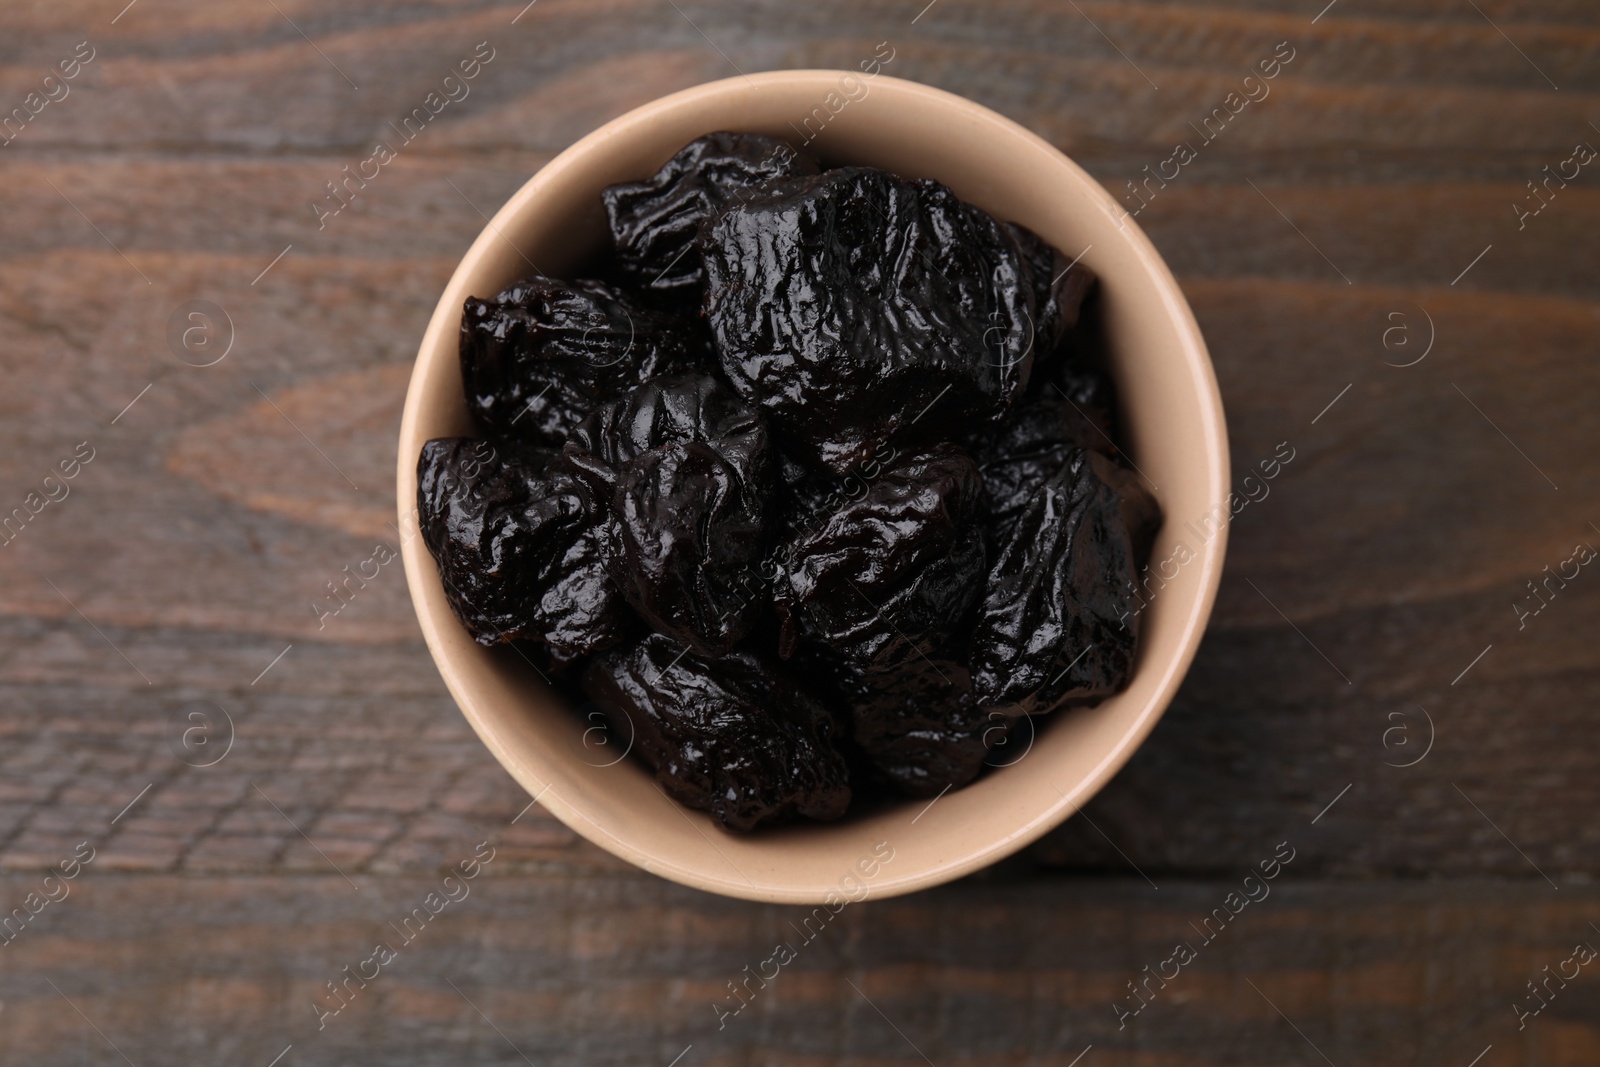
(1172, 426)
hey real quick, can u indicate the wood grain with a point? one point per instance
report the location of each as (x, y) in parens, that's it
(171, 598)
(624, 969)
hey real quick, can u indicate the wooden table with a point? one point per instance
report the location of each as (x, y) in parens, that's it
(1371, 296)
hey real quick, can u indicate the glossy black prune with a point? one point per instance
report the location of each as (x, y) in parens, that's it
(513, 532)
(891, 574)
(858, 306)
(1060, 288)
(903, 479)
(1058, 621)
(918, 724)
(655, 223)
(808, 495)
(732, 736)
(684, 469)
(544, 353)
(1017, 454)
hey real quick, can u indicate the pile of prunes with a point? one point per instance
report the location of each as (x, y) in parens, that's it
(809, 491)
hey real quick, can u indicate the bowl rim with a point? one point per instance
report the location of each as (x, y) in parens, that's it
(1209, 558)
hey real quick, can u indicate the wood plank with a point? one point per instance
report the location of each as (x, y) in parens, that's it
(240, 77)
(625, 969)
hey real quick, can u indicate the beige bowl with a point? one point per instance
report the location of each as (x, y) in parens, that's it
(1174, 431)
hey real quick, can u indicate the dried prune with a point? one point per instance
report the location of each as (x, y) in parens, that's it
(730, 735)
(891, 574)
(685, 407)
(808, 495)
(685, 470)
(1017, 454)
(1057, 623)
(543, 353)
(850, 305)
(655, 223)
(513, 532)
(918, 724)
(1060, 288)
(838, 418)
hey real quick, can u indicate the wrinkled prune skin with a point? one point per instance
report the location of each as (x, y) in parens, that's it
(731, 736)
(838, 418)
(890, 575)
(1017, 454)
(849, 305)
(808, 495)
(918, 724)
(684, 468)
(1060, 288)
(513, 532)
(544, 353)
(684, 407)
(1058, 621)
(655, 223)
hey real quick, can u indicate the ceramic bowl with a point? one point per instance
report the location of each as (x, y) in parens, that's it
(1173, 430)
